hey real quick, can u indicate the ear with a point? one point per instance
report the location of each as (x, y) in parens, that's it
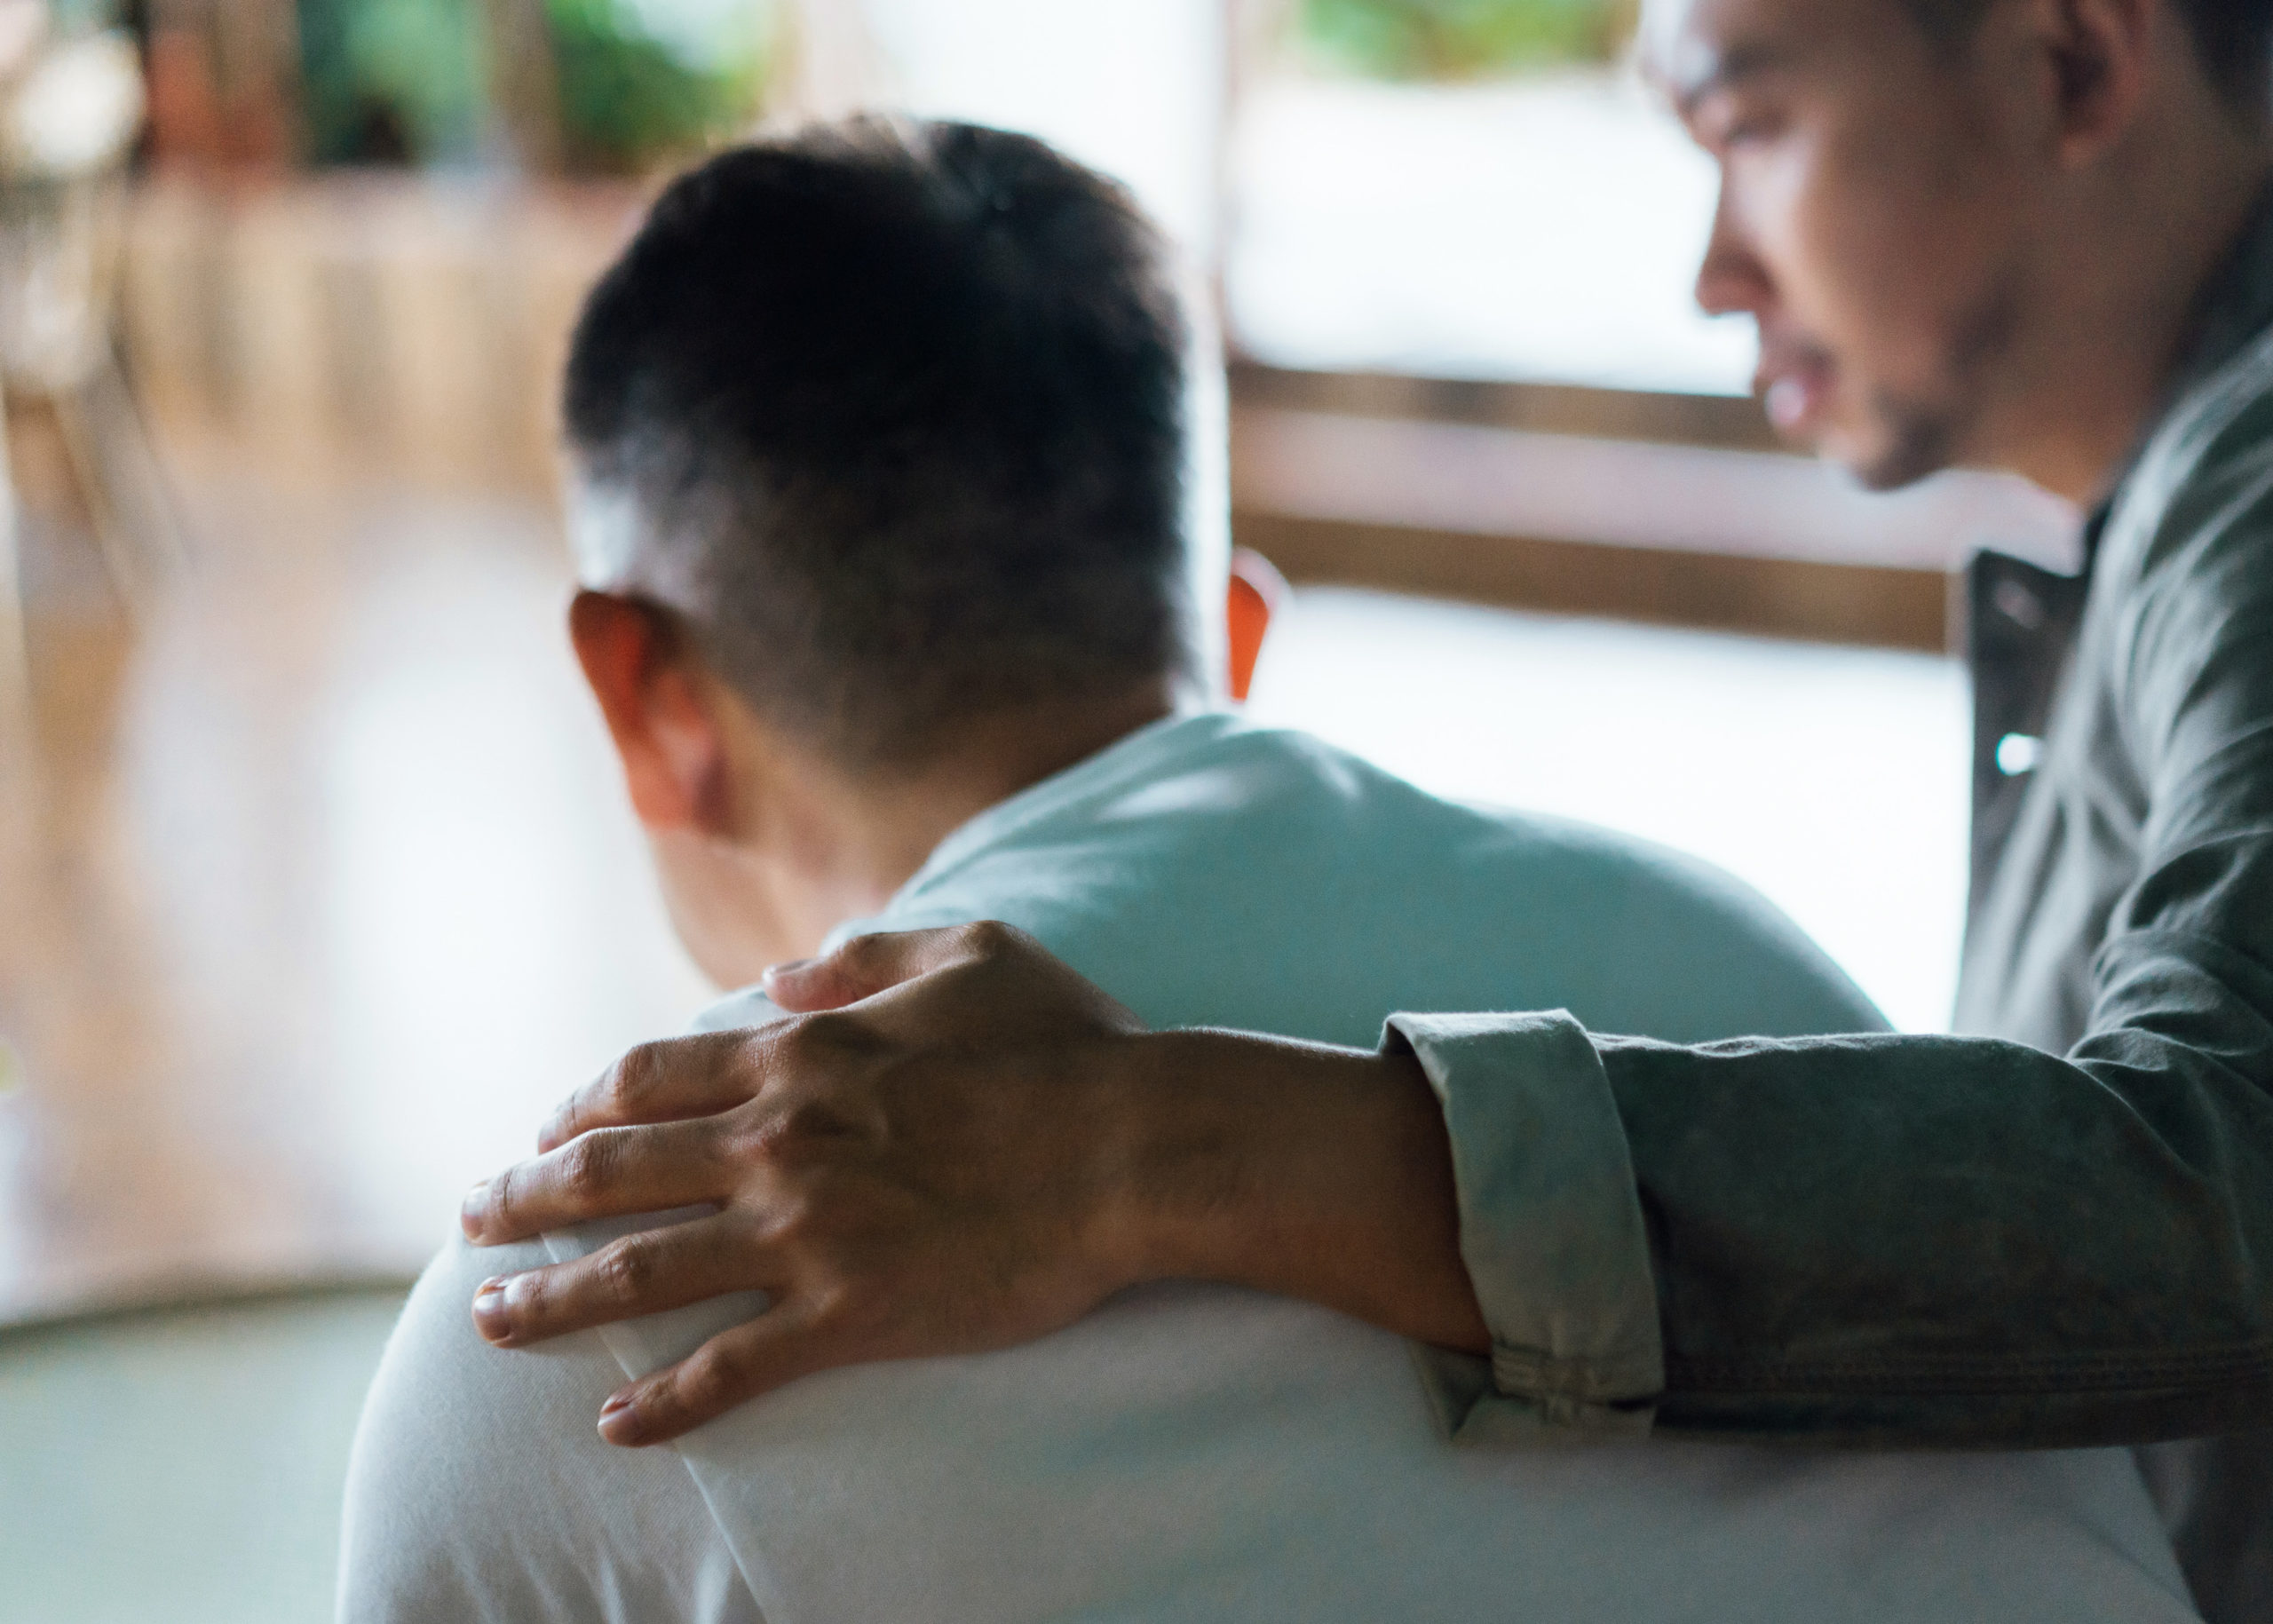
(2101, 53)
(1256, 591)
(658, 711)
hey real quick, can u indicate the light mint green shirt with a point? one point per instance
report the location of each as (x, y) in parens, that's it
(1206, 872)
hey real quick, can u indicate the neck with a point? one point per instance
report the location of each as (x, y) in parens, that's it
(2174, 210)
(815, 845)
(889, 823)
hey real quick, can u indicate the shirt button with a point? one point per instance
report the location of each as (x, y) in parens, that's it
(2018, 604)
(2018, 753)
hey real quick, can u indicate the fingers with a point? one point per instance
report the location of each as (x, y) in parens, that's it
(868, 965)
(733, 1367)
(646, 1274)
(661, 1082)
(602, 1173)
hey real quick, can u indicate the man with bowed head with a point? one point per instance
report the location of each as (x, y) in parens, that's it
(2025, 234)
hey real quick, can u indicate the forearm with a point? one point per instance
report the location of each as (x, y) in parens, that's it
(1319, 1173)
(1916, 1240)
(1951, 1241)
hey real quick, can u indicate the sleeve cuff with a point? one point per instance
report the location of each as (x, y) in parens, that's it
(1550, 1229)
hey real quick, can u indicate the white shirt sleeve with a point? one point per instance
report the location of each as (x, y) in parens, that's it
(480, 1488)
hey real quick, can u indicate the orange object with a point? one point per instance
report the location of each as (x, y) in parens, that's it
(1257, 590)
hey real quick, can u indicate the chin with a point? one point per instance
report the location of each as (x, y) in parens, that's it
(1893, 448)
(1885, 475)
(1878, 462)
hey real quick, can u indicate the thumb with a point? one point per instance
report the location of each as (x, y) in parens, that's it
(862, 968)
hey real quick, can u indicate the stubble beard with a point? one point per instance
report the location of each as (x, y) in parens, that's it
(1915, 442)
(1918, 435)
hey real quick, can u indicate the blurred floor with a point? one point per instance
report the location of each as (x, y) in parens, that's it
(183, 1467)
(330, 894)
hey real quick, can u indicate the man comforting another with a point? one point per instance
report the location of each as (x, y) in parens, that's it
(897, 497)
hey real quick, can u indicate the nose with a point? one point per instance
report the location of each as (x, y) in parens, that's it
(1730, 280)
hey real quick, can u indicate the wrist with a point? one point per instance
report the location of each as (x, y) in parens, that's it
(1313, 1172)
(1191, 1111)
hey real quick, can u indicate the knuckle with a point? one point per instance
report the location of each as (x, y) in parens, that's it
(713, 1065)
(806, 1121)
(797, 1040)
(587, 1163)
(986, 939)
(529, 1300)
(764, 1054)
(817, 1043)
(856, 1317)
(800, 1039)
(713, 1377)
(631, 1079)
(749, 1053)
(626, 1272)
(504, 1198)
(742, 1142)
(745, 1147)
(790, 1216)
(783, 1139)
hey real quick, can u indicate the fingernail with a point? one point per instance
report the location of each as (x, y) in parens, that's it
(619, 1421)
(788, 967)
(489, 1312)
(470, 1210)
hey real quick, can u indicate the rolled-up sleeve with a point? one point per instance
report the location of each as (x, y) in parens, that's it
(1552, 1231)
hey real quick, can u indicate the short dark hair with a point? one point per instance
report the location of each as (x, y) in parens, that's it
(2233, 39)
(904, 404)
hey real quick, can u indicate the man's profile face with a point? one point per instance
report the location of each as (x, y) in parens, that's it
(1869, 217)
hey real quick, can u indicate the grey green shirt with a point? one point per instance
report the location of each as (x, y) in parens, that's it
(2057, 1231)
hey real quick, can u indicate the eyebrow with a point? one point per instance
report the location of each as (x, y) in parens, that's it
(1731, 67)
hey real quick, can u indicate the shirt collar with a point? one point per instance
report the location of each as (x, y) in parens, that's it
(1133, 758)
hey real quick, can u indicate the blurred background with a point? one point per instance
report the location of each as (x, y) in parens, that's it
(316, 889)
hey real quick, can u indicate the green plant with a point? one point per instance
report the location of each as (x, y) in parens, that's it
(628, 96)
(1460, 39)
(630, 82)
(423, 58)
(391, 80)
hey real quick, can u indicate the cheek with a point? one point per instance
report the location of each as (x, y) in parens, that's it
(1861, 255)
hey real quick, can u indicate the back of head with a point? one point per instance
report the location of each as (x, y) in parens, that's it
(893, 417)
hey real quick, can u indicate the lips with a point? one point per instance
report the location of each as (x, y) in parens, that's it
(1794, 385)
(1789, 403)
